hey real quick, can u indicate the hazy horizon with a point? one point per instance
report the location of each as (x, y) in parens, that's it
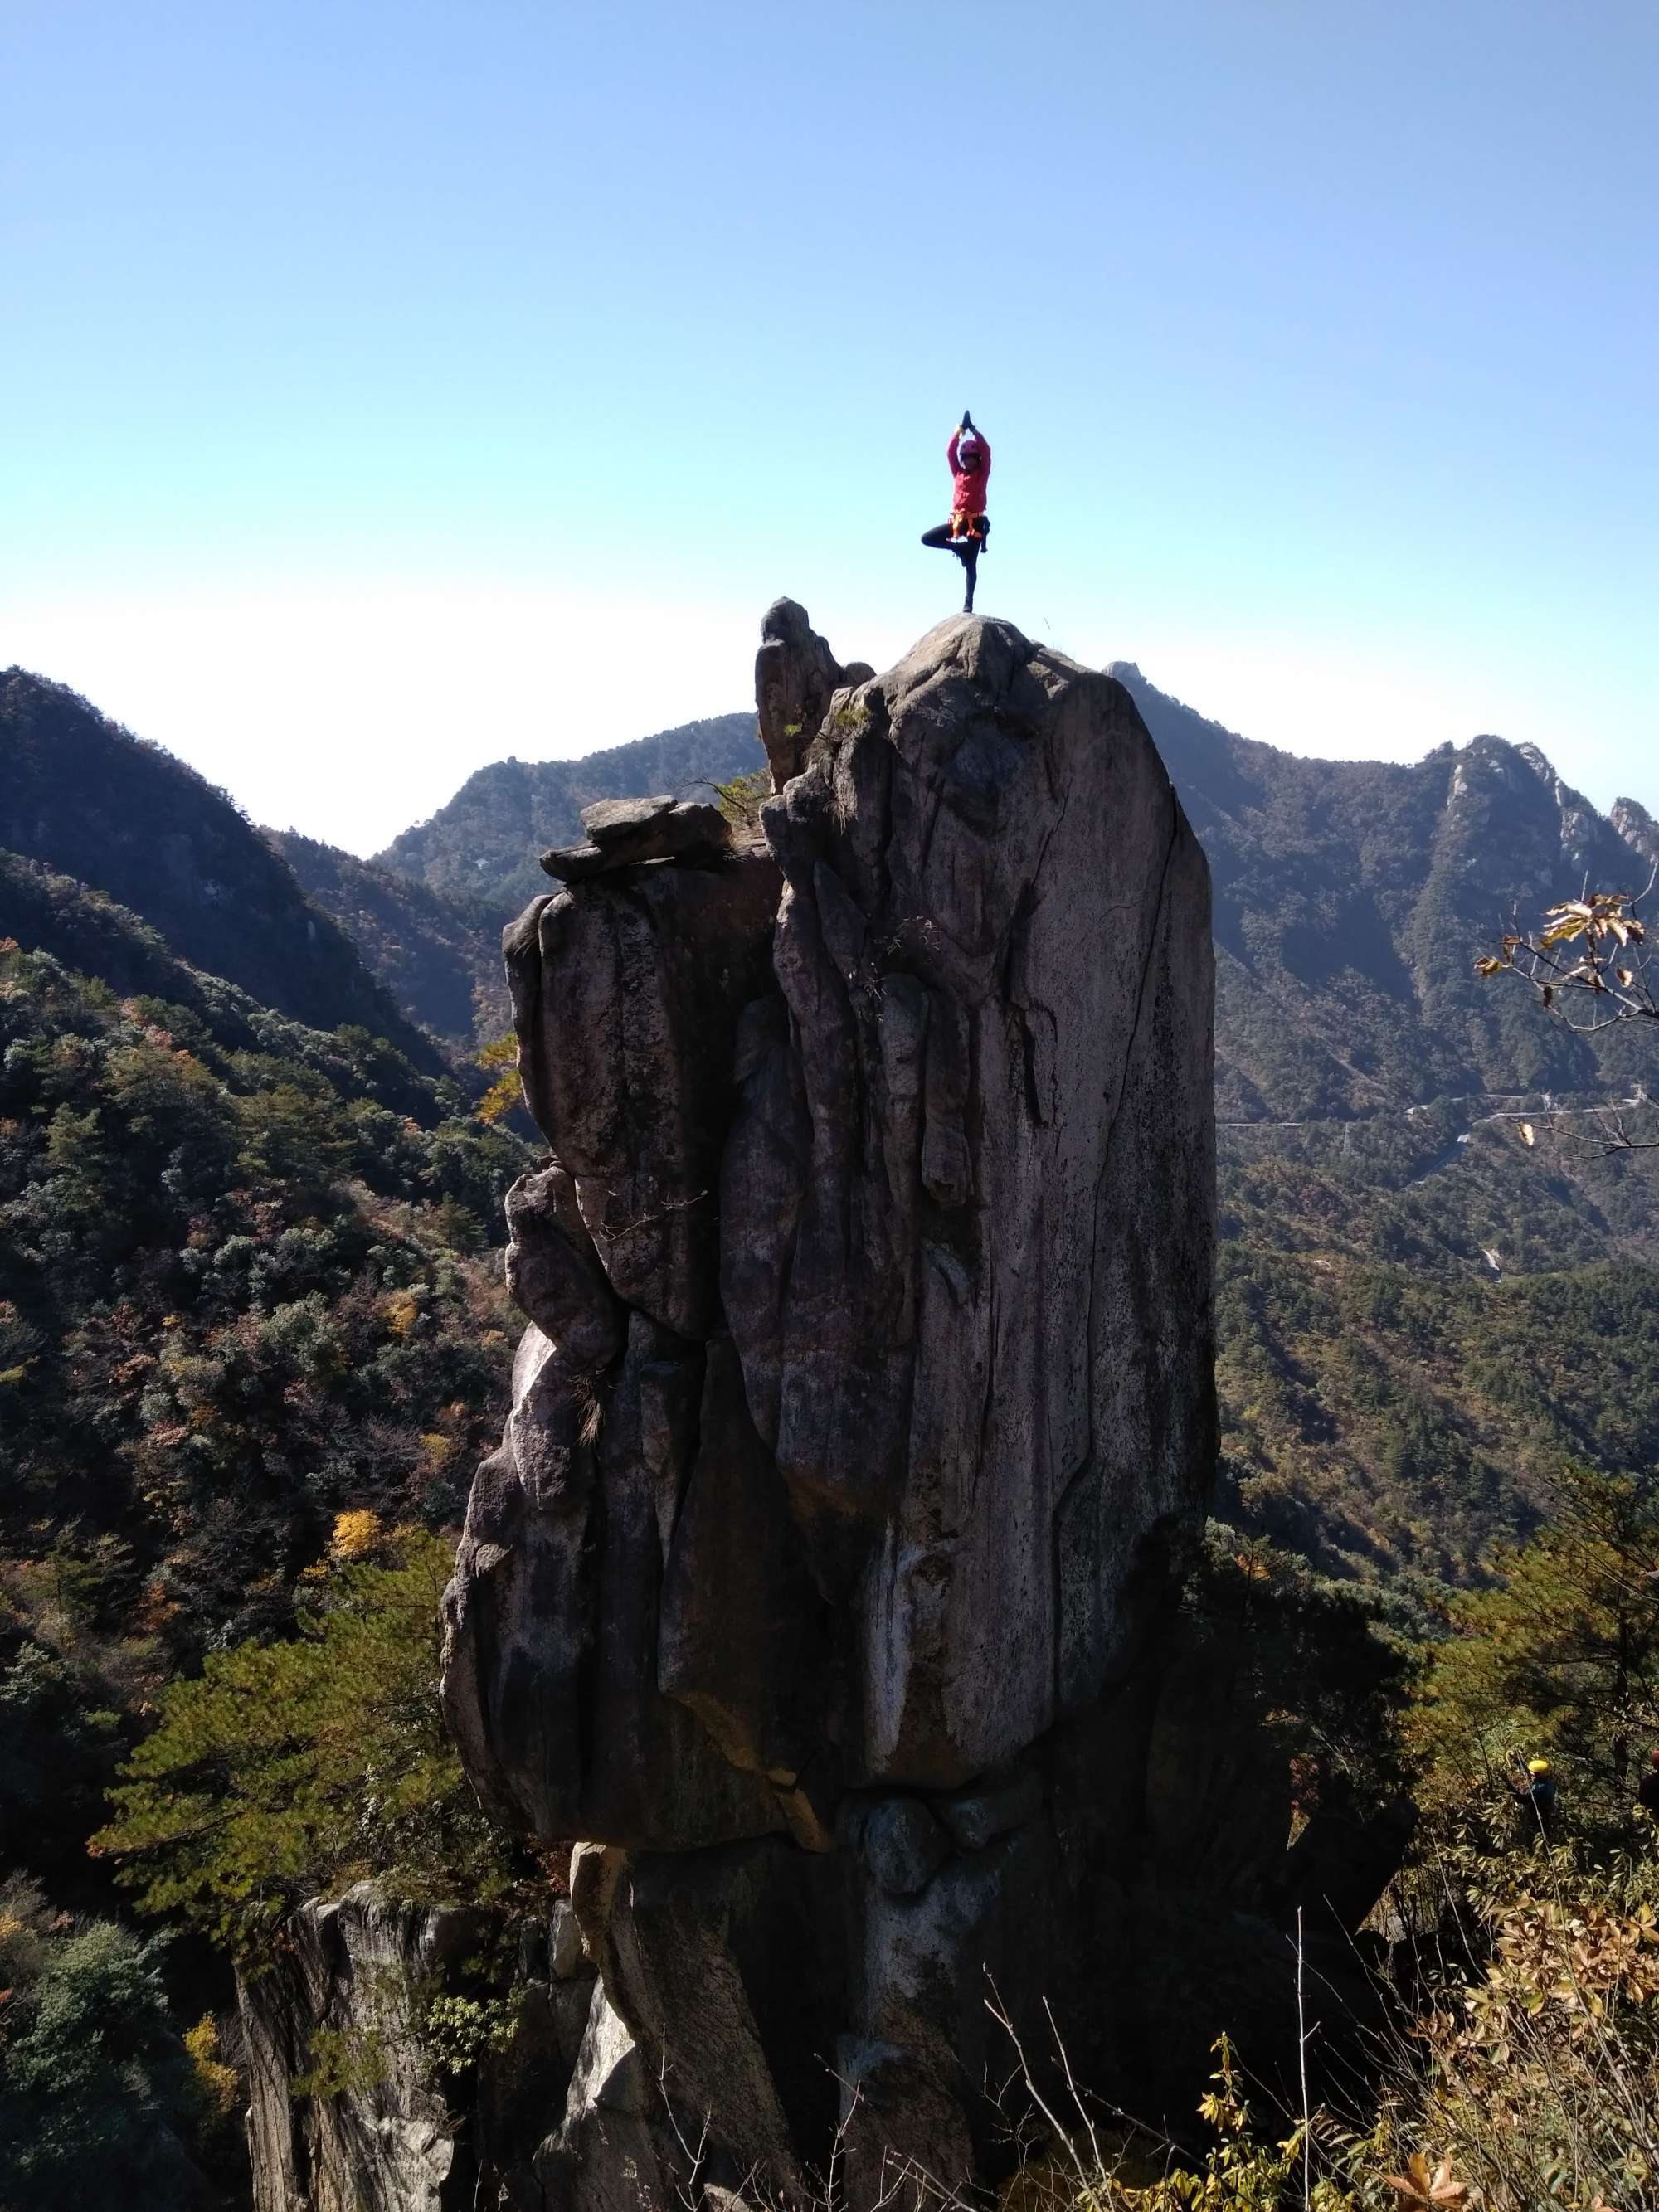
(321, 832)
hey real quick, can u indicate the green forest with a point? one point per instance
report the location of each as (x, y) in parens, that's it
(245, 1294)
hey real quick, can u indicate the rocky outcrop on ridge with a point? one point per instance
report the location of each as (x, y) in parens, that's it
(796, 676)
(861, 1427)
(1639, 831)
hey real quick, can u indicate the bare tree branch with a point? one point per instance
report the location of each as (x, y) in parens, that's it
(1593, 948)
(1592, 965)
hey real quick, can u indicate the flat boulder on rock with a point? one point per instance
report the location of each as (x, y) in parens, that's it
(692, 830)
(611, 821)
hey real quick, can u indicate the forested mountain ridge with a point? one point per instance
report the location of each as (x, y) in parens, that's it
(248, 1299)
(244, 1286)
(1351, 898)
(438, 954)
(96, 804)
(245, 1296)
(92, 935)
(1421, 1316)
(484, 844)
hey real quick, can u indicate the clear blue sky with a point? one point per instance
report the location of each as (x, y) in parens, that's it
(388, 388)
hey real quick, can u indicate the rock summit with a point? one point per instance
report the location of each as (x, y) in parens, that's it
(864, 1418)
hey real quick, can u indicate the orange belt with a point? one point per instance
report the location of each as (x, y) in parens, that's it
(967, 526)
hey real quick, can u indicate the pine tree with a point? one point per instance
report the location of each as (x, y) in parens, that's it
(293, 1768)
(1562, 1655)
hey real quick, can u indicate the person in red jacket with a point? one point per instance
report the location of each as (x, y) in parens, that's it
(969, 455)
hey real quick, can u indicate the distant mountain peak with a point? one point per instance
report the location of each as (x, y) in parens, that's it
(1350, 897)
(483, 843)
(117, 813)
(1637, 827)
(1581, 825)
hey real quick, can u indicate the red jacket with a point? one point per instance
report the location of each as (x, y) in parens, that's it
(968, 491)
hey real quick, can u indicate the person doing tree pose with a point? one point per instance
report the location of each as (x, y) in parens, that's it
(969, 455)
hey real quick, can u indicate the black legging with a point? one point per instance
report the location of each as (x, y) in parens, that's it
(966, 550)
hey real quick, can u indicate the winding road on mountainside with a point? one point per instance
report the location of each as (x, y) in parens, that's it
(1518, 1106)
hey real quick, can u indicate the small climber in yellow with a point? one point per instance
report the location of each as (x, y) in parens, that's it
(1537, 1799)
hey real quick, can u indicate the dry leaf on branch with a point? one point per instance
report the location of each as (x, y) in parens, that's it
(1419, 2188)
